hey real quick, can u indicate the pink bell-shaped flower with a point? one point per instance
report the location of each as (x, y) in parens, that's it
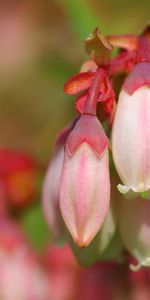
(131, 131)
(85, 185)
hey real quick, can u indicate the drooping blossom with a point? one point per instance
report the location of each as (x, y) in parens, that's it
(131, 127)
(85, 187)
(130, 140)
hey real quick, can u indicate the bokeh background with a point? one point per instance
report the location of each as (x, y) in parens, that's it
(41, 45)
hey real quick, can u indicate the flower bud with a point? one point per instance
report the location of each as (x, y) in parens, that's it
(134, 226)
(51, 193)
(85, 186)
(130, 140)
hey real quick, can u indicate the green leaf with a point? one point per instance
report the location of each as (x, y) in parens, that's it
(144, 195)
(35, 227)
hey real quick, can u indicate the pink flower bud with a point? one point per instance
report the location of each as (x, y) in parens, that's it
(51, 193)
(134, 225)
(130, 139)
(85, 186)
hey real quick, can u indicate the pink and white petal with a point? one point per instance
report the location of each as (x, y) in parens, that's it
(130, 139)
(84, 193)
(51, 193)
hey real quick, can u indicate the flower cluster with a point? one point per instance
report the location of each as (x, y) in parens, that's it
(83, 199)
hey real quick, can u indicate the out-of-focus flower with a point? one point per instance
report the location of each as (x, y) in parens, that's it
(104, 281)
(63, 272)
(19, 176)
(18, 43)
(21, 276)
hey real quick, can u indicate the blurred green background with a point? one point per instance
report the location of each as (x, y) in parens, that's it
(41, 46)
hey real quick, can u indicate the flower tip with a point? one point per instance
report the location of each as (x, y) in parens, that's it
(141, 188)
(123, 189)
(82, 241)
(135, 268)
(143, 263)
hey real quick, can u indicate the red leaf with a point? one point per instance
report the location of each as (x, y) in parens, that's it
(88, 66)
(78, 83)
(106, 91)
(126, 41)
(124, 62)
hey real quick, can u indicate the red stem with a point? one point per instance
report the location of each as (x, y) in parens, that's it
(94, 91)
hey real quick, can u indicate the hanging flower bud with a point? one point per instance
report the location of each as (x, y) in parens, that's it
(51, 193)
(85, 186)
(51, 185)
(131, 131)
(134, 225)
